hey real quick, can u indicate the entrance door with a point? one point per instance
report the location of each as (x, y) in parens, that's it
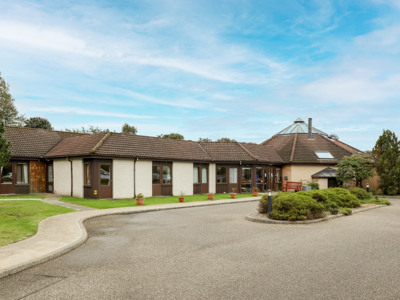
(260, 178)
(269, 179)
(162, 179)
(204, 180)
(332, 183)
(50, 179)
(105, 191)
(7, 185)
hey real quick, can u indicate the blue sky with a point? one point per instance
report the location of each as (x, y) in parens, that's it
(240, 69)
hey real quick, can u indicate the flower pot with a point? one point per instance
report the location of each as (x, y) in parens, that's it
(140, 201)
(233, 195)
(181, 199)
(210, 197)
(255, 194)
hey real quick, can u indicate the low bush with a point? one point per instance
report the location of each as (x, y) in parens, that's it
(342, 197)
(314, 185)
(345, 211)
(360, 193)
(321, 197)
(377, 201)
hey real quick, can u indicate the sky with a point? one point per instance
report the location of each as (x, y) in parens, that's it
(241, 69)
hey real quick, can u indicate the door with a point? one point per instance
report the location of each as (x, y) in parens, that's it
(162, 180)
(7, 185)
(50, 179)
(204, 180)
(105, 191)
(260, 178)
(332, 183)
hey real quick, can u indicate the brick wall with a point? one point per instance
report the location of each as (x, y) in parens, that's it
(38, 176)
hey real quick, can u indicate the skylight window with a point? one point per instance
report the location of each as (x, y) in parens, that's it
(324, 155)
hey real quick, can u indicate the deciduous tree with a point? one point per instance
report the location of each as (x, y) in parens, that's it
(8, 112)
(175, 136)
(5, 152)
(126, 128)
(38, 122)
(355, 169)
(226, 140)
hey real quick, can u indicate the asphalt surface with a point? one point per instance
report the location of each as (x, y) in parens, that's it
(214, 253)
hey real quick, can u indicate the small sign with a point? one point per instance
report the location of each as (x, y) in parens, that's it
(95, 192)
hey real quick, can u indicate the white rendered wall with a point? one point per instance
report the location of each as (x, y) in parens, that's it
(123, 178)
(62, 177)
(144, 178)
(182, 178)
(78, 173)
(212, 183)
(304, 172)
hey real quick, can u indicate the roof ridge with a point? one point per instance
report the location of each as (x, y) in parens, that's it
(337, 145)
(293, 148)
(247, 151)
(272, 137)
(101, 142)
(348, 146)
(212, 159)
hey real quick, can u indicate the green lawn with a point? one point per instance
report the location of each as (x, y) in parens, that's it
(103, 204)
(22, 197)
(19, 219)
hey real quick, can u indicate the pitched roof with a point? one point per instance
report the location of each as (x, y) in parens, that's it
(122, 145)
(264, 153)
(299, 126)
(222, 151)
(325, 173)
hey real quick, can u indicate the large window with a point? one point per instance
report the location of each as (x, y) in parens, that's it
(204, 175)
(105, 174)
(156, 175)
(166, 174)
(87, 174)
(221, 175)
(246, 180)
(22, 173)
(6, 174)
(233, 175)
(195, 175)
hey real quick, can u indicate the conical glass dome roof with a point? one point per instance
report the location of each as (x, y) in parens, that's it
(299, 126)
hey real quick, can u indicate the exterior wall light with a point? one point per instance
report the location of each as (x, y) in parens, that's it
(368, 187)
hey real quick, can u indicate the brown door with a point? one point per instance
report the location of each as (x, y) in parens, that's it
(105, 191)
(50, 179)
(260, 178)
(8, 179)
(204, 180)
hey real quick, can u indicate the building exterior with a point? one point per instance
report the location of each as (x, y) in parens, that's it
(116, 165)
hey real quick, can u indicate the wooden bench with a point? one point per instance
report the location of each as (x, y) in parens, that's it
(290, 185)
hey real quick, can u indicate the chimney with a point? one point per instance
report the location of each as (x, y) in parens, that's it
(310, 129)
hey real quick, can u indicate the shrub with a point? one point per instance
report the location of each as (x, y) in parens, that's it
(322, 197)
(314, 185)
(360, 193)
(295, 206)
(342, 197)
(345, 211)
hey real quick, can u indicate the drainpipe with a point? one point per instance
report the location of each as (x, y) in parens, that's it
(72, 177)
(134, 177)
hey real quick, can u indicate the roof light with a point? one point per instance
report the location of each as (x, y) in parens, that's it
(325, 155)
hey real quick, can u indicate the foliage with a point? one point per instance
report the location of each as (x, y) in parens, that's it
(376, 200)
(174, 136)
(8, 112)
(314, 185)
(226, 140)
(234, 190)
(360, 193)
(38, 122)
(255, 190)
(345, 211)
(355, 168)
(387, 162)
(295, 206)
(5, 152)
(204, 140)
(140, 196)
(342, 197)
(322, 197)
(126, 128)
(90, 130)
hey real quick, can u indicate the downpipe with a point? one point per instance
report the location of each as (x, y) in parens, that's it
(72, 177)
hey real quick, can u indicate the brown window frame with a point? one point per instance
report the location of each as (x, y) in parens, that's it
(85, 178)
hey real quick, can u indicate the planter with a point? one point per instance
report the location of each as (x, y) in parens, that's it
(255, 194)
(233, 195)
(140, 201)
(210, 197)
(181, 199)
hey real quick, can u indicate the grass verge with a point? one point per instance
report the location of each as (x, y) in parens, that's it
(103, 204)
(20, 219)
(22, 197)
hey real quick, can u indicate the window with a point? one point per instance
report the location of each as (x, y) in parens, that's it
(87, 174)
(166, 174)
(22, 173)
(278, 175)
(246, 175)
(6, 174)
(258, 175)
(326, 155)
(156, 175)
(105, 175)
(195, 175)
(221, 175)
(204, 175)
(233, 175)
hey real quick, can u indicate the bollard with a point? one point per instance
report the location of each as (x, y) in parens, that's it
(269, 203)
(367, 187)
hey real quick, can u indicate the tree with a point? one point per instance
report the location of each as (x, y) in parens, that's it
(355, 168)
(126, 128)
(90, 130)
(38, 122)
(204, 140)
(8, 112)
(387, 162)
(175, 136)
(5, 152)
(226, 140)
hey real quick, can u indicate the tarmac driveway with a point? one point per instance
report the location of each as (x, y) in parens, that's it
(214, 253)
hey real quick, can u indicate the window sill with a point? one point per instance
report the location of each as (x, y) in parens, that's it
(22, 184)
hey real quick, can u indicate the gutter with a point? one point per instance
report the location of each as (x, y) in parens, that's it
(72, 177)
